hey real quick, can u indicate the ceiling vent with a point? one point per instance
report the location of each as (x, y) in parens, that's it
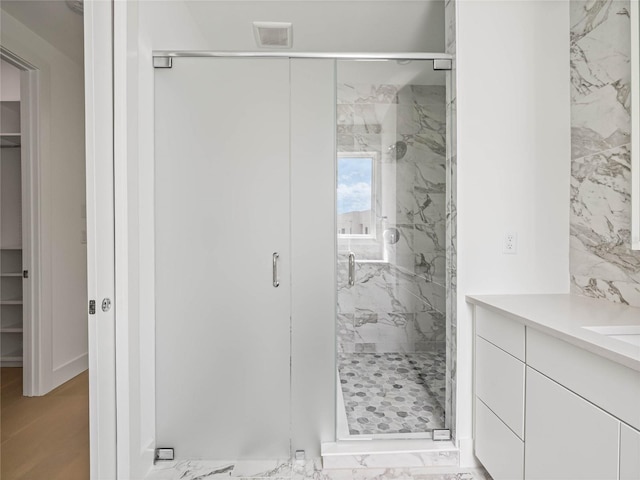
(273, 34)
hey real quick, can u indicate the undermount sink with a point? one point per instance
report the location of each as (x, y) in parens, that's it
(626, 333)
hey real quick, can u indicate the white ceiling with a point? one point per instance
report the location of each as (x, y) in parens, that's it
(51, 20)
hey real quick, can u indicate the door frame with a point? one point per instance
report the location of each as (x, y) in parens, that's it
(35, 351)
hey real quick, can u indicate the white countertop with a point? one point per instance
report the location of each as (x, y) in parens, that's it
(564, 316)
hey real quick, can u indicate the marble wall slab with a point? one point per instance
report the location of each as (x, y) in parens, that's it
(398, 303)
(601, 263)
(451, 169)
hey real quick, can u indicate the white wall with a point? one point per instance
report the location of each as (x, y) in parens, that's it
(63, 269)
(324, 26)
(513, 159)
(9, 83)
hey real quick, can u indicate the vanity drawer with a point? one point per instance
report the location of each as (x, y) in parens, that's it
(503, 332)
(500, 384)
(607, 384)
(567, 437)
(498, 448)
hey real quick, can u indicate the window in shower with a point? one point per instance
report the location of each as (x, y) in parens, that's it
(356, 198)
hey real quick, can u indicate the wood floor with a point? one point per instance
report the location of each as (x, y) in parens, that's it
(44, 438)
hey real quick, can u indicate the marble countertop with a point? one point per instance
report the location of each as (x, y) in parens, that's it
(565, 316)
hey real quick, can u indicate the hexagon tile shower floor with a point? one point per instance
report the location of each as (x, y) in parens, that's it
(393, 392)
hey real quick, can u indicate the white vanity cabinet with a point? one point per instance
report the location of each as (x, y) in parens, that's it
(547, 409)
(629, 453)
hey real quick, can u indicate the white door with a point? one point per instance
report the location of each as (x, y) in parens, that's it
(222, 212)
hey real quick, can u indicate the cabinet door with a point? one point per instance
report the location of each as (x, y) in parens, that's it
(567, 437)
(629, 453)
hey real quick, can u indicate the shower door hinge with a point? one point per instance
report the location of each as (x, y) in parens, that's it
(164, 454)
(442, 64)
(441, 434)
(300, 456)
(162, 62)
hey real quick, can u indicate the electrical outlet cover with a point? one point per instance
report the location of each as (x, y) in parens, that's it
(510, 243)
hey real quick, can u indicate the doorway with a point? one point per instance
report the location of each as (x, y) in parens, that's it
(45, 421)
(391, 257)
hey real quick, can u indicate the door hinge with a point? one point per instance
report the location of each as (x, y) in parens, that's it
(25, 274)
(92, 307)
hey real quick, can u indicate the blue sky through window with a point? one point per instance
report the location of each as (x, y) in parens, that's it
(355, 175)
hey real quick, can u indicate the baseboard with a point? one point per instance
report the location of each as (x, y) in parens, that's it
(67, 371)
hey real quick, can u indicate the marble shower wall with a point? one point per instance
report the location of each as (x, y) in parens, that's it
(398, 302)
(602, 265)
(451, 223)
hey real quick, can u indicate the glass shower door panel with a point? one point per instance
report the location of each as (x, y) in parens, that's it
(391, 186)
(222, 295)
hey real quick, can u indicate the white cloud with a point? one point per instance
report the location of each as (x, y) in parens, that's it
(353, 198)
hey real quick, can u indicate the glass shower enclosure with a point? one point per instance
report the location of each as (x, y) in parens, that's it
(391, 254)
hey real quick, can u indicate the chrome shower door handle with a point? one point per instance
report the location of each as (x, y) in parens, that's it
(276, 283)
(352, 269)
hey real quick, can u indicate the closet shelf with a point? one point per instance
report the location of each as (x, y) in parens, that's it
(11, 330)
(11, 358)
(11, 298)
(11, 325)
(13, 355)
(10, 140)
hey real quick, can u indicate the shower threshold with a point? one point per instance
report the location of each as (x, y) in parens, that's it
(380, 453)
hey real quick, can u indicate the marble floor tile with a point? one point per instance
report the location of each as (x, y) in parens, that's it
(212, 469)
(307, 470)
(312, 470)
(393, 392)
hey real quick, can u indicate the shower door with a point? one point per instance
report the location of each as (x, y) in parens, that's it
(391, 228)
(222, 250)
